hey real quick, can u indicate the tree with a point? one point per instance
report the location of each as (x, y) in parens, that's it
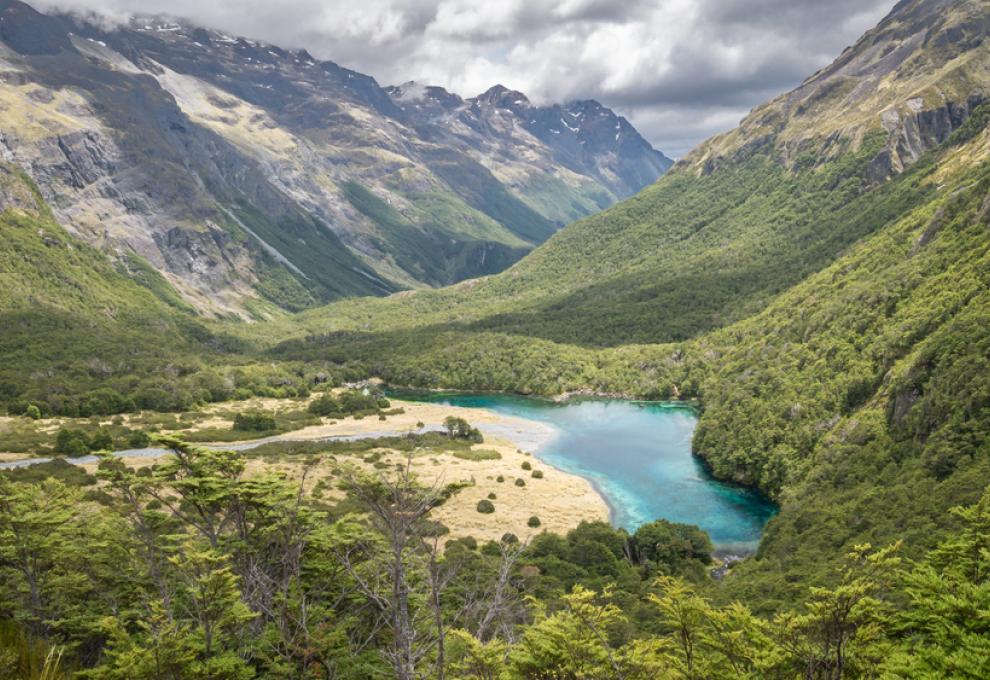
(669, 545)
(397, 556)
(72, 442)
(944, 626)
(472, 659)
(208, 595)
(684, 613)
(33, 544)
(843, 627)
(458, 428)
(572, 643)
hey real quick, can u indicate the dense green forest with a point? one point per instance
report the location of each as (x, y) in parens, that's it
(190, 569)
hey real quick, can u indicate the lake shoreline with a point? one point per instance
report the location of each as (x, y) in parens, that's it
(638, 456)
(559, 398)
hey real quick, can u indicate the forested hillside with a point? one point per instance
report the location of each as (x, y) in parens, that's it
(747, 214)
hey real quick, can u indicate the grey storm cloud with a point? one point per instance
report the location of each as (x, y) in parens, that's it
(680, 70)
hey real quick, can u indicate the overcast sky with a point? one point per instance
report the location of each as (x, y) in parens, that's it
(680, 70)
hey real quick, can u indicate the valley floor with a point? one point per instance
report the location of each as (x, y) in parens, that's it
(559, 499)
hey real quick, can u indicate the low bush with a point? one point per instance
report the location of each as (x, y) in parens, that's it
(481, 454)
(254, 422)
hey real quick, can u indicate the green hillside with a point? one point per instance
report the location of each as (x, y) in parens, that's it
(71, 321)
(746, 215)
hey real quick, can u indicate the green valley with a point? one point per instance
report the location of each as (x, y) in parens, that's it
(813, 285)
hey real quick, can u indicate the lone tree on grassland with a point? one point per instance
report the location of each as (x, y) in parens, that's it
(458, 428)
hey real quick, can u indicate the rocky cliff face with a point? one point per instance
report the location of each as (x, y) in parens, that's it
(909, 82)
(254, 177)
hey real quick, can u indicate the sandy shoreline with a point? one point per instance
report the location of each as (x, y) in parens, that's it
(561, 500)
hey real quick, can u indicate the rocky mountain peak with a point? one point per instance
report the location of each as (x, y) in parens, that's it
(29, 32)
(412, 94)
(502, 97)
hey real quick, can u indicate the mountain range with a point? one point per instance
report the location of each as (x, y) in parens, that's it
(257, 179)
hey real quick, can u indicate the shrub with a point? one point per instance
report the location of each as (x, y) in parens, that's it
(468, 542)
(534, 522)
(138, 439)
(486, 507)
(500, 479)
(520, 481)
(433, 528)
(672, 544)
(509, 538)
(104, 401)
(353, 401)
(32, 412)
(537, 474)
(254, 422)
(72, 442)
(491, 496)
(482, 454)
(324, 406)
(526, 465)
(102, 441)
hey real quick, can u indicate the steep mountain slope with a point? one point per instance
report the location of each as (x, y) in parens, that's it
(825, 269)
(746, 215)
(70, 320)
(254, 177)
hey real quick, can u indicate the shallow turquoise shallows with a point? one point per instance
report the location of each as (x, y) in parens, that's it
(639, 457)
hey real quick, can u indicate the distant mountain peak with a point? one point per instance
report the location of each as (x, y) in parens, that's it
(583, 135)
(503, 98)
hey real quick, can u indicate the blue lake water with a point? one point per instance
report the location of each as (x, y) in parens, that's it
(638, 455)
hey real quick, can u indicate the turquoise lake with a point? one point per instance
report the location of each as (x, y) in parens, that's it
(638, 455)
